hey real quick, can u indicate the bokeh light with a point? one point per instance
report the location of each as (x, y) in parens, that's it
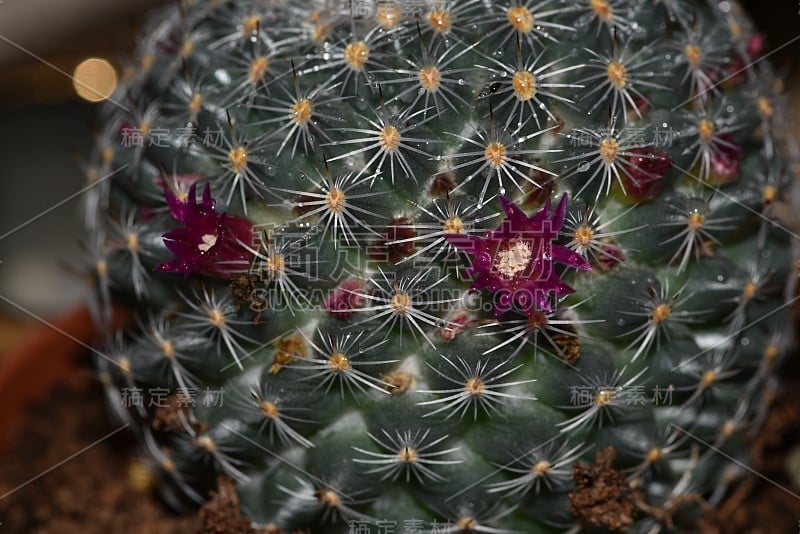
(94, 79)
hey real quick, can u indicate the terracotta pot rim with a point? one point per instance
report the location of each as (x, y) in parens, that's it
(45, 358)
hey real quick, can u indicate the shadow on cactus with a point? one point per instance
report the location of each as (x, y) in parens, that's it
(353, 336)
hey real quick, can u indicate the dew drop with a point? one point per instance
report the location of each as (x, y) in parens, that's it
(620, 322)
(222, 76)
(744, 341)
(720, 278)
(730, 109)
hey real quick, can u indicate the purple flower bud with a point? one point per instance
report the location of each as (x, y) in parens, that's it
(345, 298)
(725, 158)
(645, 177)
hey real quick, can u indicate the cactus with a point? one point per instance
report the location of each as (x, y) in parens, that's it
(445, 266)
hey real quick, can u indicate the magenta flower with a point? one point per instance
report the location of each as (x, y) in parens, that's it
(516, 261)
(209, 243)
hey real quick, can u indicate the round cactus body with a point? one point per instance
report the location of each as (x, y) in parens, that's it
(445, 266)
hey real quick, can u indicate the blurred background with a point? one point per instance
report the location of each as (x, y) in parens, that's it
(46, 127)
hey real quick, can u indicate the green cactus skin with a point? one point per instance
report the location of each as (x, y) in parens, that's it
(336, 365)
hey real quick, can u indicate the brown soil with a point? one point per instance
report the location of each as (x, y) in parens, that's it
(97, 491)
(602, 497)
(93, 493)
(220, 515)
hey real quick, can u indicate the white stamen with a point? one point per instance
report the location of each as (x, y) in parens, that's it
(514, 259)
(209, 240)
